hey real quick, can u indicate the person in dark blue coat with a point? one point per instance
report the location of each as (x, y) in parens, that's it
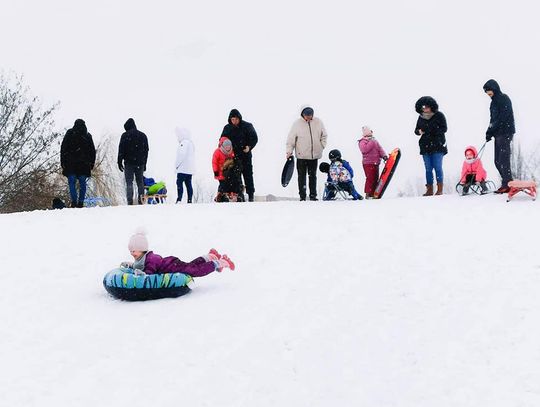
(77, 158)
(132, 157)
(502, 128)
(244, 139)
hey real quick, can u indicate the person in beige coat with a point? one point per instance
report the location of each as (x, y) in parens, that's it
(307, 139)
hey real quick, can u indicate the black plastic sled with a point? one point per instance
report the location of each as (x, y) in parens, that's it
(288, 170)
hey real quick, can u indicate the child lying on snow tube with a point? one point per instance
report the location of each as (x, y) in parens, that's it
(151, 276)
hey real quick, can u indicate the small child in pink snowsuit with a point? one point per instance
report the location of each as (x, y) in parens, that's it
(472, 171)
(372, 152)
(150, 263)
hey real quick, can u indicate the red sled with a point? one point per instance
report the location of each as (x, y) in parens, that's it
(387, 172)
(528, 187)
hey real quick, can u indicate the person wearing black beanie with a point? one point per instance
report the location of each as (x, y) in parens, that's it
(307, 140)
(502, 128)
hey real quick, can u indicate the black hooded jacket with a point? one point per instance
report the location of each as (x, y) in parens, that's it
(133, 147)
(241, 136)
(502, 116)
(77, 153)
(433, 140)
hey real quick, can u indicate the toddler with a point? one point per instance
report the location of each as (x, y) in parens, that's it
(148, 262)
(372, 152)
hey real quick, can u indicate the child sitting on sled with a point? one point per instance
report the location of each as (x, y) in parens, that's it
(372, 152)
(340, 175)
(472, 171)
(148, 262)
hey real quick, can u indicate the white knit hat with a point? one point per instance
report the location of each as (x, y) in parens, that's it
(366, 131)
(138, 242)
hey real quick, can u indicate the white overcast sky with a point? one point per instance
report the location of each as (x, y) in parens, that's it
(168, 63)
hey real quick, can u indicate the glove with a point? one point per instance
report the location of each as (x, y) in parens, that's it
(385, 158)
(138, 272)
(126, 265)
(120, 166)
(488, 137)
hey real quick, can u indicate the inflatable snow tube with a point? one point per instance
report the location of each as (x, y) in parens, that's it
(123, 284)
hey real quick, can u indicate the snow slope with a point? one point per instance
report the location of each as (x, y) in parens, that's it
(400, 302)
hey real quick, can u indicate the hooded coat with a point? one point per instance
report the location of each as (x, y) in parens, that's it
(241, 136)
(473, 167)
(502, 115)
(77, 153)
(133, 147)
(185, 154)
(433, 139)
(219, 158)
(307, 139)
(371, 150)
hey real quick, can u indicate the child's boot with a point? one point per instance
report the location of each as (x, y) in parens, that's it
(484, 187)
(213, 255)
(465, 189)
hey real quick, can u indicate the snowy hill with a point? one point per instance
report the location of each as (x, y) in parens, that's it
(400, 302)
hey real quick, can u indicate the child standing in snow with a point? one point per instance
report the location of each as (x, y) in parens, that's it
(372, 152)
(472, 171)
(150, 263)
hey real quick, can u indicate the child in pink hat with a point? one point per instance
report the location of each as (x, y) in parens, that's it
(148, 262)
(372, 152)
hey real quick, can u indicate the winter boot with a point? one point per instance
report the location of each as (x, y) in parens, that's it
(484, 188)
(213, 255)
(429, 190)
(502, 190)
(439, 188)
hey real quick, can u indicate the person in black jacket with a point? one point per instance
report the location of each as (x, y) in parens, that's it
(77, 158)
(502, 128)
(431, 127)
(132, 157)
(244, 138)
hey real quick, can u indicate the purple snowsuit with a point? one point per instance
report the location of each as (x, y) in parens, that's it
(155, 264)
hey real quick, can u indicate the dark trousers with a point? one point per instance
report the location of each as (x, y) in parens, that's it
(182, 179)
(372, 177)
(131, 171)
(247, 172)
(502, 158)
(309, 167)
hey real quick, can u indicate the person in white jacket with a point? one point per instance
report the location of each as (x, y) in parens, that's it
(308, 139)
(185, 163)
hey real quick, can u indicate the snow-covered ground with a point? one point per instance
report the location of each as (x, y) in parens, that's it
(400, 302)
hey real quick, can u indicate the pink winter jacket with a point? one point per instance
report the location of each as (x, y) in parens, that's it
(372, 152)
(473, 166)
